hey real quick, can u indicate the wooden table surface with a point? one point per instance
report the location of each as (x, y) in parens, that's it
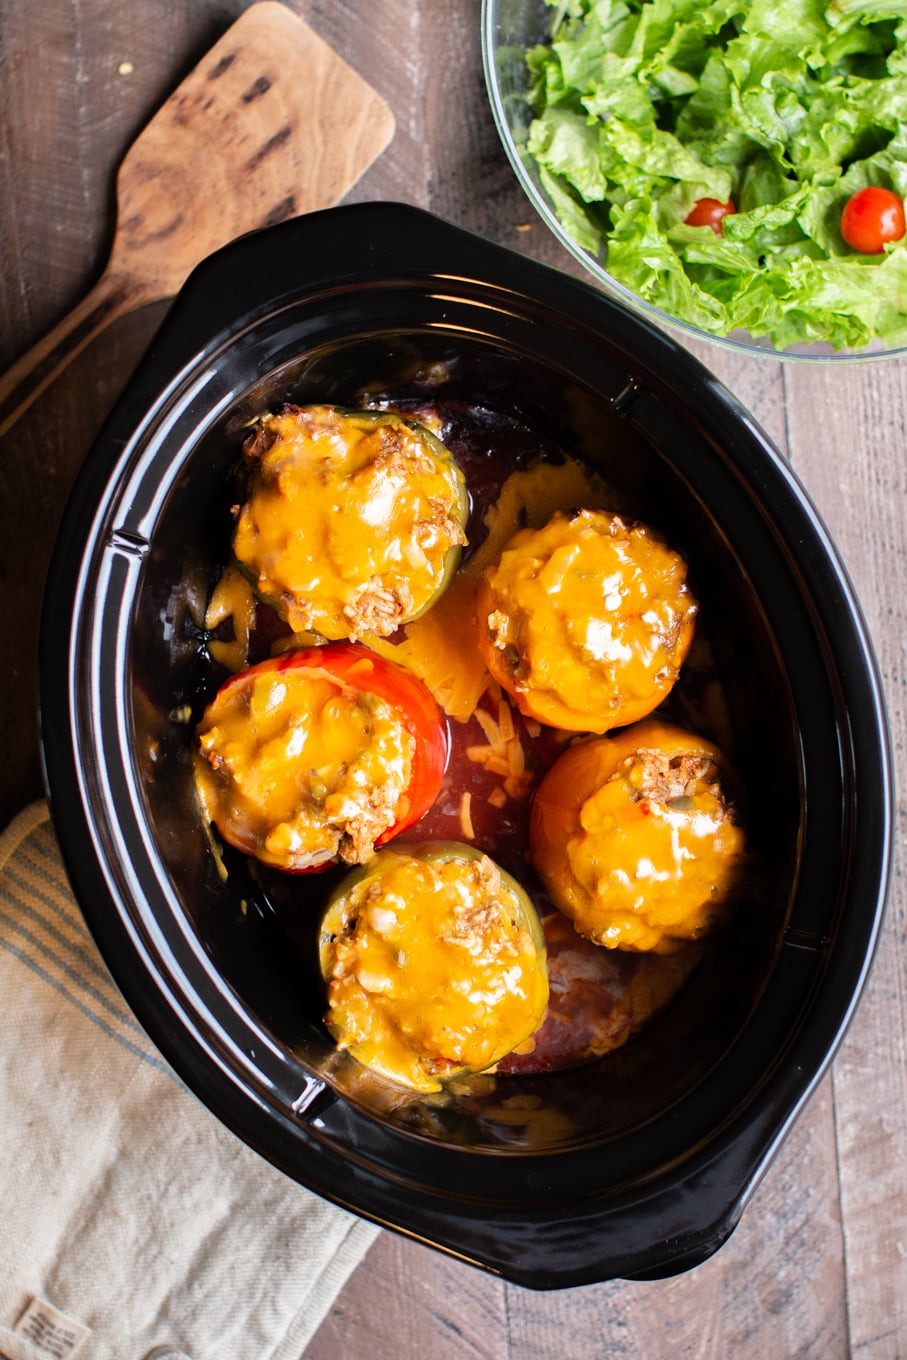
(818, 1265)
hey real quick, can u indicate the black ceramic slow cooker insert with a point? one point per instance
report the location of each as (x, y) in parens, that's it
(638, 1164)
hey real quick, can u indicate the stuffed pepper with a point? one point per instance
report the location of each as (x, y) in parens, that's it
(434, 960)
(353, 520)
(317, 756)
(636, 838)
(586, 621)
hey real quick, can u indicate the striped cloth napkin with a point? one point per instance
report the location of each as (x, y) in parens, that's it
(134, 1225)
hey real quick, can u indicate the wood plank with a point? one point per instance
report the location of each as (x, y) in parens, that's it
(773, 1289)
(272, 122)
(61, 166)
(384, 44)
(848, 438)
(407, 1301)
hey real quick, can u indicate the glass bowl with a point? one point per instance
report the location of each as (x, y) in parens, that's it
(509, 29)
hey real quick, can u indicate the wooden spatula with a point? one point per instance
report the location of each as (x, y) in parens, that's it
(272, 123)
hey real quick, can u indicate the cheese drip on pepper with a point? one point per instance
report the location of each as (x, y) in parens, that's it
(442, 647)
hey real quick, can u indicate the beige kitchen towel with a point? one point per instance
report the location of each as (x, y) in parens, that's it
(133, 1226)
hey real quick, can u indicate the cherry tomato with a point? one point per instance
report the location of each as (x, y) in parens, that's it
(355, 670)
(710, 212)
(871, 218)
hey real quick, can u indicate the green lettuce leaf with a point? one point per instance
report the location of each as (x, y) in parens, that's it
(645, 106)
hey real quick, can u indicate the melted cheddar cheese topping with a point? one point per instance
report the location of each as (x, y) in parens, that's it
(432, 968)
(352, 522)
(634, 839)
(586, 621)
(231, 598)
(298, 770)
(442, 646)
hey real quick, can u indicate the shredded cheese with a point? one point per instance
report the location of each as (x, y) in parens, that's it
(504, 753)
(480, 754)
(466, 825)
(492, 730)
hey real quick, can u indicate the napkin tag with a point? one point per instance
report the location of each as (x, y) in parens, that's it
(54, 1333)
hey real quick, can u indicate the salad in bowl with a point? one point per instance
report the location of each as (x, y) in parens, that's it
(736, 167)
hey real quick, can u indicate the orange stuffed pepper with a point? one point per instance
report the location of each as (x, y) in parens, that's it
(636, 839)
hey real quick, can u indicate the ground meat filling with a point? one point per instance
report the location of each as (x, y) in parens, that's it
(668, 779)
(375, 608)
(473, 922)
(258, 443)
(363, 826)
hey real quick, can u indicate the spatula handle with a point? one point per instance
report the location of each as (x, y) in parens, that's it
(31, 375)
